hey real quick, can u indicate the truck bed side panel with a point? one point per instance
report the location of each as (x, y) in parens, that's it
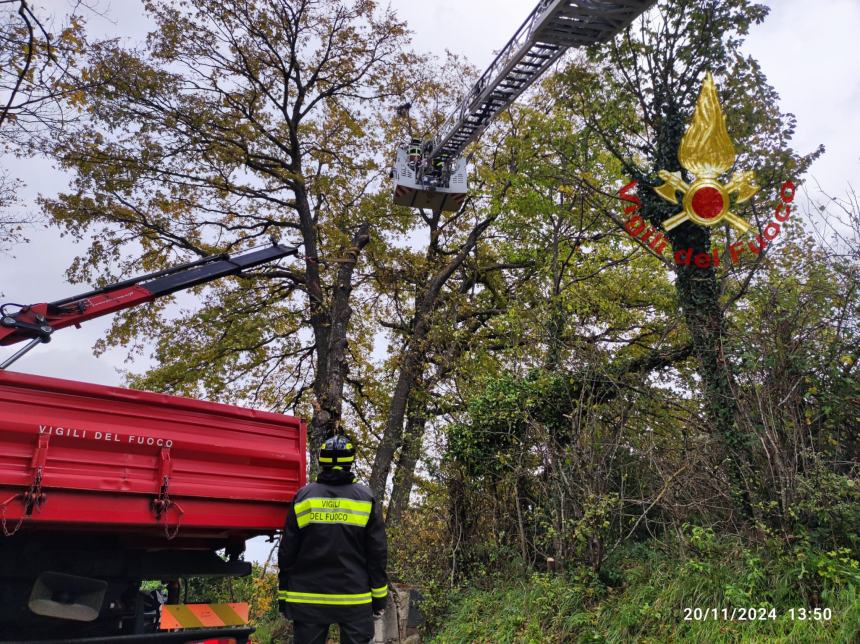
(104, 453)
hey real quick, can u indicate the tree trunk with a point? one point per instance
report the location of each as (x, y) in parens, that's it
(406, 378)
(331, 326)
(414, 357)
(521, 530)
(404, 474)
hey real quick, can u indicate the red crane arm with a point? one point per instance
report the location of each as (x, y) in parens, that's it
(38, 321)
(42, 319)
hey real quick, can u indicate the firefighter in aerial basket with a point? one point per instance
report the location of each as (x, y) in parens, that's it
(333, 553)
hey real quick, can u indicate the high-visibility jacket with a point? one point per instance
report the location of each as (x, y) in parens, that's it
(333, 554)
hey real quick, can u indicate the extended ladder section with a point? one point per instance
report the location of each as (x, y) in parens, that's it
(553, 27)
(433, 174)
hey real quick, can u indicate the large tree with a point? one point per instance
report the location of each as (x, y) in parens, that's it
(238, 122)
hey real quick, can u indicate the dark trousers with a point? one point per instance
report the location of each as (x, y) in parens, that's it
(359, 632)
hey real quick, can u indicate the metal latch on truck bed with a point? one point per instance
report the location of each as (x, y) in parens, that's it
(162, 503)
(33, 498)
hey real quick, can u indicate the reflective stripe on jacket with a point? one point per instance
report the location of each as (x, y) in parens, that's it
(333, 554)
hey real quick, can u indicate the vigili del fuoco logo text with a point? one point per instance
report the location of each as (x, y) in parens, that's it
(707, 152)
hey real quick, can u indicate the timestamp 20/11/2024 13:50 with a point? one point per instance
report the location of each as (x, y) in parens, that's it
(756, 614)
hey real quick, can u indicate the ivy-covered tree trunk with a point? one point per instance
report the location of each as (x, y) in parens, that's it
(698, 297)
(698, 294)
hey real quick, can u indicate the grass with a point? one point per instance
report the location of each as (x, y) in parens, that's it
(650, 591)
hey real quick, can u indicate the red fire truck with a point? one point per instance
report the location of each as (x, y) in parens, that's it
(103, 488)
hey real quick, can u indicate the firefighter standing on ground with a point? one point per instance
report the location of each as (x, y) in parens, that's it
(333, 553)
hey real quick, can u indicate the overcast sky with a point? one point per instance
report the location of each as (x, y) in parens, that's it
(808, 50)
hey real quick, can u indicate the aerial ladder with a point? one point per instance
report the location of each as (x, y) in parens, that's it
(36, 322)
(432, 173)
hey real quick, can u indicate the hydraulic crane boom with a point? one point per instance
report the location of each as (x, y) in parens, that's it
(432, 174)
(36, 322)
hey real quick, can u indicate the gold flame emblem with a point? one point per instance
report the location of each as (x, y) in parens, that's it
(707, 152)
